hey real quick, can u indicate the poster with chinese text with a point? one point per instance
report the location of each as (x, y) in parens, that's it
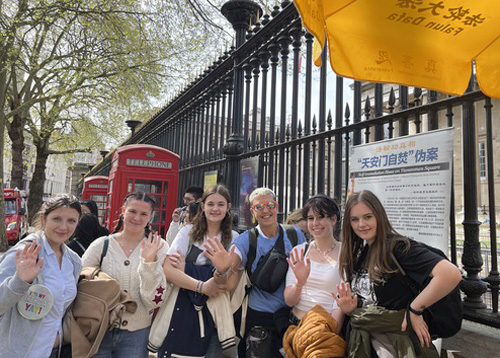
(411, 175)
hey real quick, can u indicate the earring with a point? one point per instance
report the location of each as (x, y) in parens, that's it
(253, 219)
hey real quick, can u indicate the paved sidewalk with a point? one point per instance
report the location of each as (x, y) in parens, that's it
(474, 341)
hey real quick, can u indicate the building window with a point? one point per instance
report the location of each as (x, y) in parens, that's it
(482, 161)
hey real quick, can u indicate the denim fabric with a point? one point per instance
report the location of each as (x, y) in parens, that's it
(214, 347)
(54, 353)
(119, 343)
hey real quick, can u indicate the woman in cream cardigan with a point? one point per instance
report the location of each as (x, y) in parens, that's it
(135, 259)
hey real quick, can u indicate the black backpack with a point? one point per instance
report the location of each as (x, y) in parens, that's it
(444, 318)
(271, 269)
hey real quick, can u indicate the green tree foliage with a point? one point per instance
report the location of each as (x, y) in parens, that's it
(72, 71)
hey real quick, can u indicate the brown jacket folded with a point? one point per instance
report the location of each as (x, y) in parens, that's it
(314, 337)
(98, 306)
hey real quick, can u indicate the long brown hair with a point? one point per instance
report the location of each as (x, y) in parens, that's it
(200, 226)
(378, 258)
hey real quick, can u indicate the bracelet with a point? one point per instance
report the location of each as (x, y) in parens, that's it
(199, 285)
(414, 311)
(219, 273)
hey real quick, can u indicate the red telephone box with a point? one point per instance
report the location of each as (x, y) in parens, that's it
(96, 188)
(146, 168)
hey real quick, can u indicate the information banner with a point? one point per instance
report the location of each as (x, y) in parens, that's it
(412, 177)
(209, 179)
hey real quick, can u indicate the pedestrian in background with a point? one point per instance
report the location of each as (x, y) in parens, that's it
(38, 278)
(191, 195)
(295, 218)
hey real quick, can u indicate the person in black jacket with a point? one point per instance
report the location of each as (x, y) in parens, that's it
(87, 230)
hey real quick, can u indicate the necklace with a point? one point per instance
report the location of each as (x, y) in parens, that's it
(325, 252)
(125, 245)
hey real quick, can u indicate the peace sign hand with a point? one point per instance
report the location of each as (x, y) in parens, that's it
(220, 258)
(151, 246)
(28, 266)
(300, 265)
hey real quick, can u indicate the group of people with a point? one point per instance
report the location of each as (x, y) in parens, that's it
(212, 292)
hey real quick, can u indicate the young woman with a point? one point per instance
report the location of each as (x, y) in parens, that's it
(295, 218)
(190, 270)
(382, 302)
(87, 230)
(135, 259)
(38, 280)
(313, 271)
(267, 315)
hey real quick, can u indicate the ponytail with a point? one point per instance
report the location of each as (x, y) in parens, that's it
(119, 225)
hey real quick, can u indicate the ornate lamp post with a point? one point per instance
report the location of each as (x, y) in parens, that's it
(132, 124)
(238, 13)
(103, 153)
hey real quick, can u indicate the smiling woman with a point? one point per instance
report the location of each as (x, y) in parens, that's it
(201, 276)
(41, 265)
(134, 258)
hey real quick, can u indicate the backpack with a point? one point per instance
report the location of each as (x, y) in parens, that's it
(444, 318)
(271, 269)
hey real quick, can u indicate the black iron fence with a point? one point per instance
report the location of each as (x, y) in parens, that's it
(262, 99)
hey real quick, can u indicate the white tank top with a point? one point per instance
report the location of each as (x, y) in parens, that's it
(322, 280)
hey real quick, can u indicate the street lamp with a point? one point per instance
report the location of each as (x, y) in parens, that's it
(132, 124)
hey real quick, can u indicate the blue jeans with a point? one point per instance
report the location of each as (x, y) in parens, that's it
(119, 343)
(214, 348)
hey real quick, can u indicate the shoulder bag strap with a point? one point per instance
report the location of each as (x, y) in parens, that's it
(292, 234)
(408, 281)
(104, 250)
(252, 249)
(280, 242)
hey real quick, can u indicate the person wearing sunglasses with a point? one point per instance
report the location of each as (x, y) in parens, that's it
(263, 334)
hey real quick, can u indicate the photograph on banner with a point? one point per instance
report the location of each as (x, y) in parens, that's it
(209, 179)
(412, 177)
(249, 182)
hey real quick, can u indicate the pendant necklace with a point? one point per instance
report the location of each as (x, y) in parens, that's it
(325, 253)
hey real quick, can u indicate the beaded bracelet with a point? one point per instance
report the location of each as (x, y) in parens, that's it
(199, 285)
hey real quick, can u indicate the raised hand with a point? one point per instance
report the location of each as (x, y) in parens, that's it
(177, 260)
(346, 301)
(211, 288)
(150, 247)
(176, 215)
(27, 266)
(419, 327)
(220, 258)
(300, 265)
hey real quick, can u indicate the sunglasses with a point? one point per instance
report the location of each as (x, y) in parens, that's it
(270, 205)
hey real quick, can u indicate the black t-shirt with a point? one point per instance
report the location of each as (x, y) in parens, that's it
(393, 293)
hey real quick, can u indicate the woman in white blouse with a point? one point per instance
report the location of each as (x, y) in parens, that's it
(134, 258)
(38, 280)
(313, 268)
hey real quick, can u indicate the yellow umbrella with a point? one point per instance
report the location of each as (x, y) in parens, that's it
(424, 43)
